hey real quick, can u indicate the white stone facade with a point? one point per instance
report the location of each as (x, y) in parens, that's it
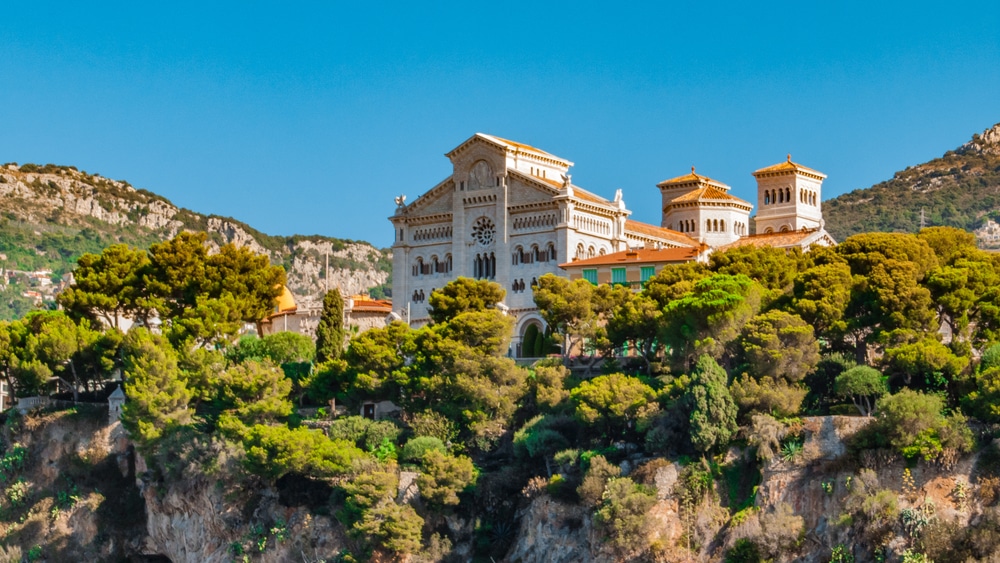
(789, 197)
(510, 213)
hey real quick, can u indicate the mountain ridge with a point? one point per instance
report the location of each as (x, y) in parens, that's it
(50, 214)
(959, 189)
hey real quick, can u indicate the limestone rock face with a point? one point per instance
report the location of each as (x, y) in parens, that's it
(68, 197)
(194, 522)
(986, 143)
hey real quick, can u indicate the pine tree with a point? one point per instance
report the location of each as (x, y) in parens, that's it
(157, 395)
(330, 331)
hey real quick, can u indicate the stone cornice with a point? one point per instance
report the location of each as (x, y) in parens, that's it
(529, 207)
(426, 197)
(709, 203)
(428, 219)
(777, 173)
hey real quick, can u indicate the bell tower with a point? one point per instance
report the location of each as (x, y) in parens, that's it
(789, 198)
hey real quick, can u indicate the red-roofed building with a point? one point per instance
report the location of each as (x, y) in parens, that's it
(631, 267)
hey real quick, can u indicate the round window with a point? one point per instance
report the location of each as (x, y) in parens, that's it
(483, 231)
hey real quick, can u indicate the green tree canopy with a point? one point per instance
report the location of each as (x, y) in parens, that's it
(109, 286)
(255, 392)
(713, 412)
(771, 267)
(925, 363)
(820, 296)
(863, 385)
(463, 295)
(707, 318)
(443, 476)
(330, 330)
(568, 309)
(912, 423)
(780, 345)
(611, 401)
(157, 396)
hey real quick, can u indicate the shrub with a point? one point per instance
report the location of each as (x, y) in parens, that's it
(369, 485)
(415, 448)
(623, 514)
(444, 476)
(430, 423)
(591, 491)
(396, 528)
(366, 434)
(911, 423)
(767, 396)
(743, 551)
(990, 358)
(774, 533)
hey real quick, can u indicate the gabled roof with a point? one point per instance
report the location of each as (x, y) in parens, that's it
(639, 256)
(692, 178)
(787, 239)
(653, 231)
(578, 192)
(789, 167)
(509, 145)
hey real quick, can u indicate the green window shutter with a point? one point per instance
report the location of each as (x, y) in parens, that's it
(618, 275)
(647, 272)
(591, 276)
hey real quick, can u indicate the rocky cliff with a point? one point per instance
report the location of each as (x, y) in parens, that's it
(52, 214)
(871, 508)
(74, 491)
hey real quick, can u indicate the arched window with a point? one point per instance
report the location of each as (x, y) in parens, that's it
(552, 251)
(768, 231)
(591, 252)
(535, 254)
(602, 252)
(447, 260)
(767, 198)
(579, 250)
(722, 225)
(708, 224)
(517, 255)
(784, 228)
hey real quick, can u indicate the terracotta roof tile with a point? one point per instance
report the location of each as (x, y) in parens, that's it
(578, 192)
(706, 193)
(691, 178)
(780, 240)
(639, 256)
(788, 166)
(659, 232)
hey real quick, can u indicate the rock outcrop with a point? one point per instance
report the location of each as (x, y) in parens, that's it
(47, 195)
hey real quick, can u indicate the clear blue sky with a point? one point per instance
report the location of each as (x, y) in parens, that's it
(309, 117)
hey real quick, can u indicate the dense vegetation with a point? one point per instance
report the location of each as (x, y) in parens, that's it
(957, 190)
(704, 357)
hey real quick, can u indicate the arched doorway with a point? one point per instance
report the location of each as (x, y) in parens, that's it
(529, 340)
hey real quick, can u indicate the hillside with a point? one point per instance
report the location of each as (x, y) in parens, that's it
(960, 189)
(50, 215)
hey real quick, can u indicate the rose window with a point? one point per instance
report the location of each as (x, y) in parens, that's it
(483, 231)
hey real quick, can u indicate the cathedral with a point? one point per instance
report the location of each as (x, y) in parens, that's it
(510, 213)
